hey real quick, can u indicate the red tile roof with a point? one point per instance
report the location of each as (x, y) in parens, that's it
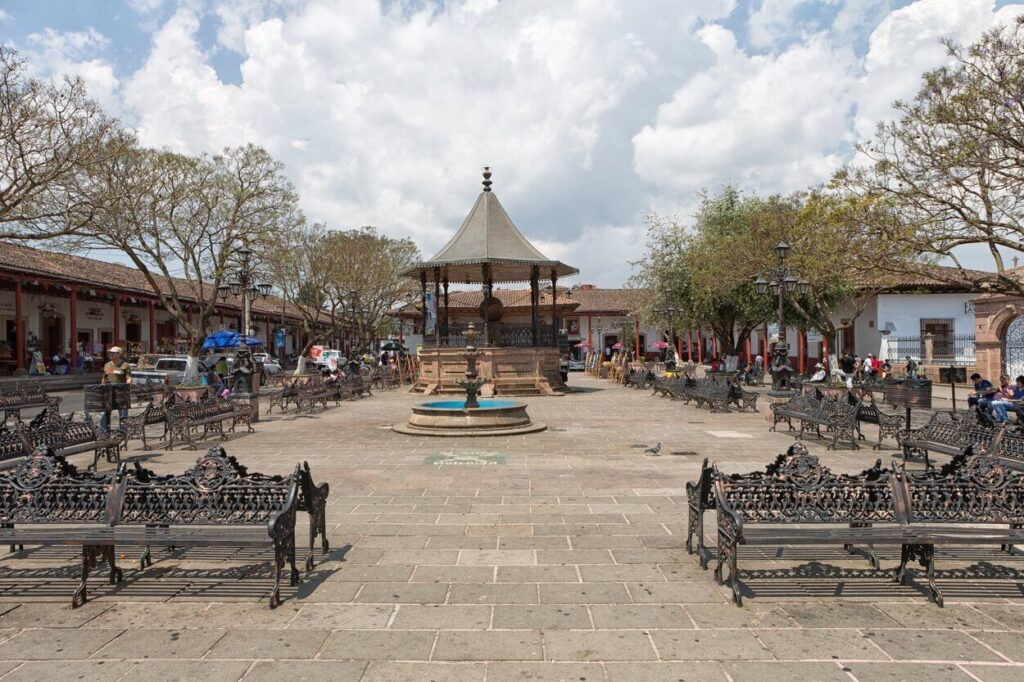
(71, 269)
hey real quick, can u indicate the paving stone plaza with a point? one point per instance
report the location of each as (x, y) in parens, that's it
(551, 556)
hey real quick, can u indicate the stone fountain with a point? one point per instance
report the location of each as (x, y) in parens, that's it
(472, 416)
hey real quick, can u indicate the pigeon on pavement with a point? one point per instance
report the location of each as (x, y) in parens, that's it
(655, 450)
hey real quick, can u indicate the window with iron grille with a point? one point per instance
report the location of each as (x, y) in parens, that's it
(942, 336)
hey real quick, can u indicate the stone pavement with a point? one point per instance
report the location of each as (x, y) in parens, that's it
(553, 556)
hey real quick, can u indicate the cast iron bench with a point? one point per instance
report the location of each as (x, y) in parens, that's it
(798, 501)
(47, 501)
(214, 503)
(889, 425)
(185, 419)
(639, 378)
(742, 398)
(666, 386)
(700, 498)
(135, 425)
(68, 437)
(26, 397)
(316, 391)
(285, 396)
(973, 500)
(946, 435)
(716, 395)
(838, 416)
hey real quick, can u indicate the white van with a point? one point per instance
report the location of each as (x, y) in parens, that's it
(329, 358)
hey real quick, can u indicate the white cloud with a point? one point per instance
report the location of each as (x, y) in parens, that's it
(769, 123)
(906, 44)
(775, 21)
(58, 54)
(787, 119)
(386, 118)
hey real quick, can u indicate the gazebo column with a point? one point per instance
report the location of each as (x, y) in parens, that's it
(423, 301)
(488, 289)
(535, 304)
(446, 330)
(554, 309)
(437, 307)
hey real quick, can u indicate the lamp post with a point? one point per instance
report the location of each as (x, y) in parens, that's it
(670, 313)
(244, 283)
(780, 280)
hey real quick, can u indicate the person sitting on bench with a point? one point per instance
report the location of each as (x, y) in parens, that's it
(1011, 400)
(983, 393)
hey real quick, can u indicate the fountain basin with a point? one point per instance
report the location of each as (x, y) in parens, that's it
(452, 418)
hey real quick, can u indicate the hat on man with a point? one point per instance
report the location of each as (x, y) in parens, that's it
(819, 366)
(114, 349)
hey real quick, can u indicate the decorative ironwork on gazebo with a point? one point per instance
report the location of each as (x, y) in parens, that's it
(489, 249)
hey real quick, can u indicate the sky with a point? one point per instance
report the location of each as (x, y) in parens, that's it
(592, 113)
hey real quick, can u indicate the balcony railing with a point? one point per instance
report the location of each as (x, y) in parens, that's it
(505, 335)
(931, 349)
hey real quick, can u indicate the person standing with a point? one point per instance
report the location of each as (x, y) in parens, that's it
(116, 371)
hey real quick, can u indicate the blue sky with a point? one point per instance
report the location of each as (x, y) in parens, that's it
(592, 113)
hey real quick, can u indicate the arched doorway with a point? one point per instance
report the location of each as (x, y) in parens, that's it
(1013, 348)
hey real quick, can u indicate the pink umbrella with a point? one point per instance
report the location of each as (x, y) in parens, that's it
(661, 345)
(583, 344)
(617, 346)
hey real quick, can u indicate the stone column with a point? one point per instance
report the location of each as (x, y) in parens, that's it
(73, 328)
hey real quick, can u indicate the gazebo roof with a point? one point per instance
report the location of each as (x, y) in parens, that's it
(488, 236)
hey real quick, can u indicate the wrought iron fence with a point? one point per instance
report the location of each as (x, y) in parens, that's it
(505, 335)
(933, 349)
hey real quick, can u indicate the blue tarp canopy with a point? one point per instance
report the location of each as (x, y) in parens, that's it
(232, 340)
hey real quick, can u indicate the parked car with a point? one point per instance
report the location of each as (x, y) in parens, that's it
(270, 364)
(170, 370)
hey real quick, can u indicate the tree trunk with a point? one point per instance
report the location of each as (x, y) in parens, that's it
(191, 377)
(195, 347)
(301, 367)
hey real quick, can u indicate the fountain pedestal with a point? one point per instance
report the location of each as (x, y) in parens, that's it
(469, 417)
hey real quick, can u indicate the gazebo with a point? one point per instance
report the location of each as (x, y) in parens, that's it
(518, 359)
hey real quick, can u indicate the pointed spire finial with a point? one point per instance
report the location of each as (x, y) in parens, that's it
(487, 178)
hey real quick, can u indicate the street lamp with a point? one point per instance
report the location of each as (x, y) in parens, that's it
(670, 313)
(244, 284)
(781, 280)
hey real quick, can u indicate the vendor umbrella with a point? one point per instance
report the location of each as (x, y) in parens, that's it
(391, 345)
(226, 339)
(617, 346)
(661, 345)
(583, 344)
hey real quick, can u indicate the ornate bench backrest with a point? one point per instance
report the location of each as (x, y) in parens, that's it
(972, 488)
(797, 488)
(217, 490)
(44, 488)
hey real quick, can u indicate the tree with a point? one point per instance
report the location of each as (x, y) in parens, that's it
(305, 266)
(369, 281)
(828, 249)
(951, 164)
(182, 220)
(689, 269)
(51, 137)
